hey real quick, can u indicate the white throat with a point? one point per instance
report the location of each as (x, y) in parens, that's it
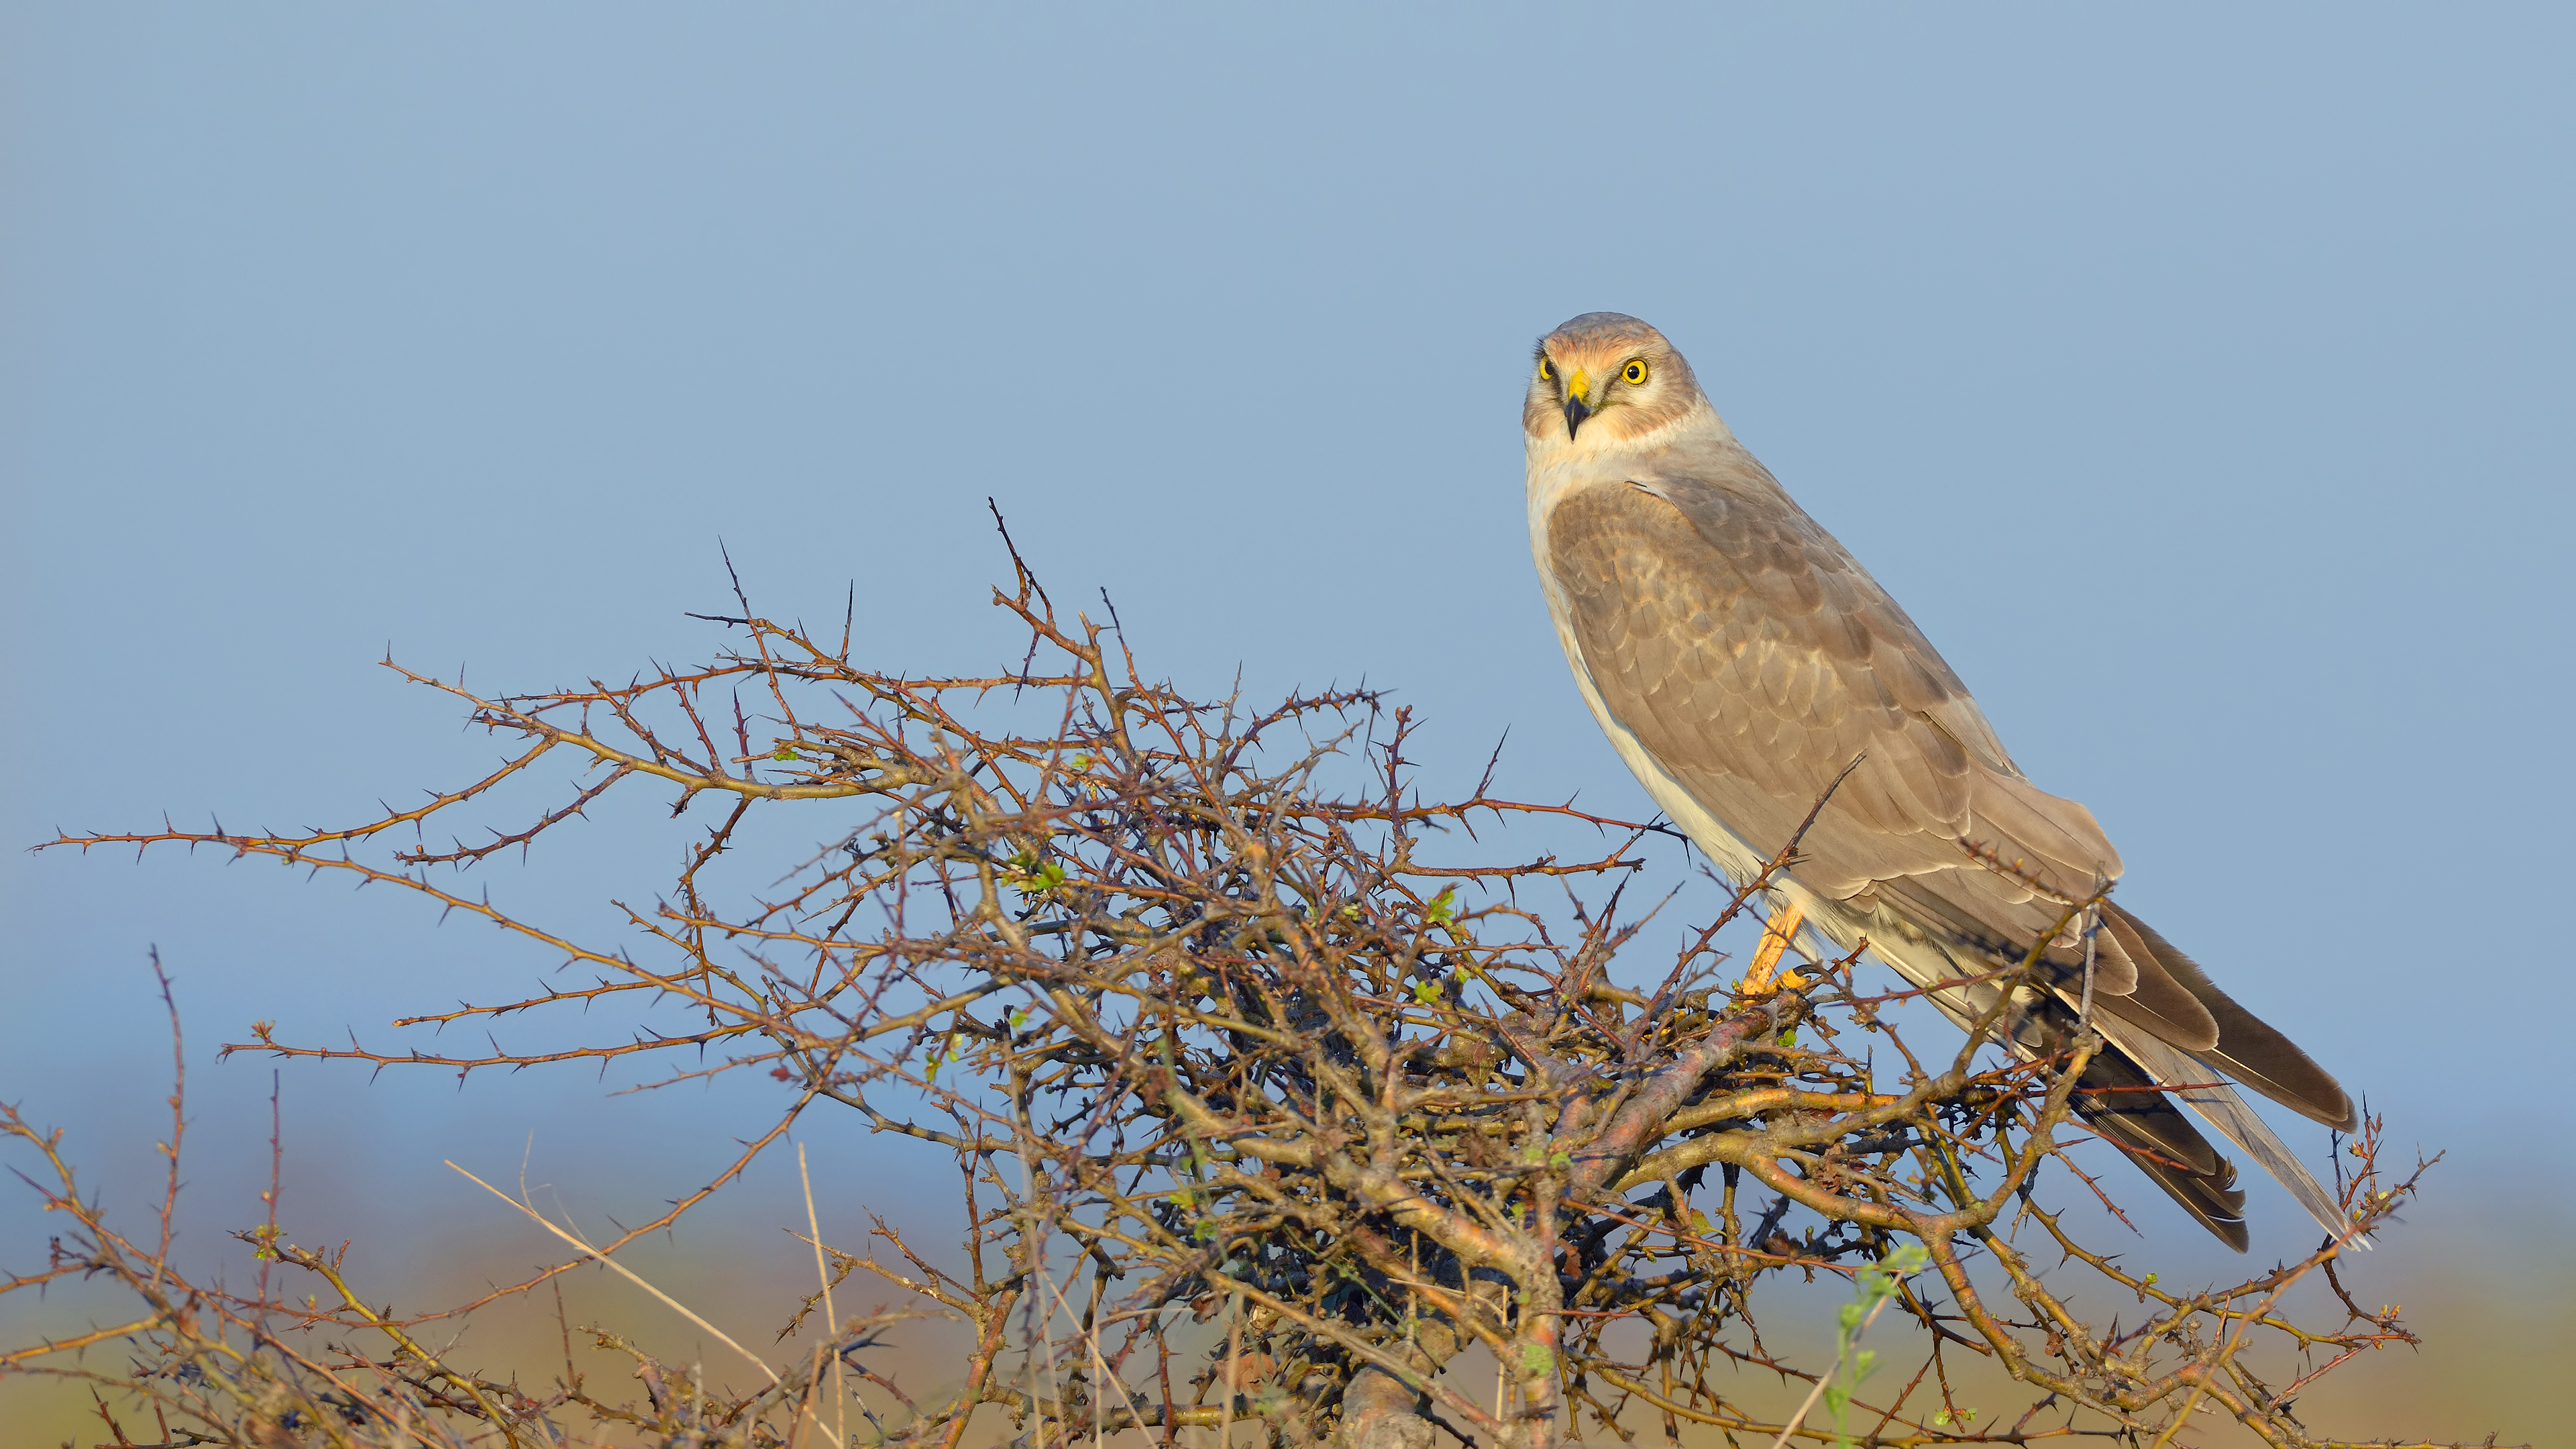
(1558, 465)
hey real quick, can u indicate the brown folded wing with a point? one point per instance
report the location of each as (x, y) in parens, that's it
(1755, 659)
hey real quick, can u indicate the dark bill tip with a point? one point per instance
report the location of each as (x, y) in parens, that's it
(1575, 413)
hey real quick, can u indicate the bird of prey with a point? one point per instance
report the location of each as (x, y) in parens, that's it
(1740, 659)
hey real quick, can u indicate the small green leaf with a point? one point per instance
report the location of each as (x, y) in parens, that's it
(1789, 1037)
(785, 753)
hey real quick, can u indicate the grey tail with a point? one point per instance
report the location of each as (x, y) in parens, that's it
(2248, 1049)
(2217, 1103)
(2120, 1101)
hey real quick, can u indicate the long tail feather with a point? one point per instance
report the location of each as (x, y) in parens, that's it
(2248, 1049)
(2115, 1099)
(2220, 1106)
(2119, 1101)
(2145, 1125)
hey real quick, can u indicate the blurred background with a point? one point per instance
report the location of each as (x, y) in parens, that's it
(2197, 378)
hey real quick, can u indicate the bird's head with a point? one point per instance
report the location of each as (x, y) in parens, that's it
(1606, 378)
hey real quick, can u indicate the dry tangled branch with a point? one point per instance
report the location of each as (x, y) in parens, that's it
(1267, 1111)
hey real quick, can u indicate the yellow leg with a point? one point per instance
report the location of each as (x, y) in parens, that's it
(1776, 933)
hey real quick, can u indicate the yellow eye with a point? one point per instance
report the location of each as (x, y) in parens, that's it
(1634, 373)
(1546, 370)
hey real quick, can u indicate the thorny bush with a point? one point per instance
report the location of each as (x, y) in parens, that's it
(1264, 1114)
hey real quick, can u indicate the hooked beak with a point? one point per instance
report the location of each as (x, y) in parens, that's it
(1575, 413)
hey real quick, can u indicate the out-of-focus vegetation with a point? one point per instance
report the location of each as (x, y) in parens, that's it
(2494, 1318)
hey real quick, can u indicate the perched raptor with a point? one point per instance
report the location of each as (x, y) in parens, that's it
(1740, 659)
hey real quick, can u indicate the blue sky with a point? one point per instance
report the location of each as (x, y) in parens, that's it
(2196, 377)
